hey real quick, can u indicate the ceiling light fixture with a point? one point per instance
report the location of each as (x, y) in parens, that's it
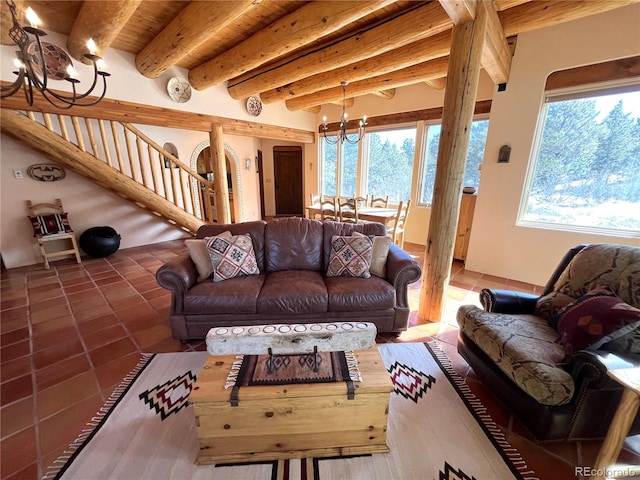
(31, 61)
(342, 136)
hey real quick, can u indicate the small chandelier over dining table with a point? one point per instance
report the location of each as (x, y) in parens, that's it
(31, 61)
(342, 135)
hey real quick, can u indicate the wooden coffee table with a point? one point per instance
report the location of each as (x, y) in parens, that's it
(291, 421)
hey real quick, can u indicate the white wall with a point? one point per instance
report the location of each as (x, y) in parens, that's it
(497, 245)
(91, 205)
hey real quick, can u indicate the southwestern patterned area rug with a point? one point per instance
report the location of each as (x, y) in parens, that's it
(437, 430)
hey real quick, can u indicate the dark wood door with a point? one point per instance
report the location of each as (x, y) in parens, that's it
(287, 165)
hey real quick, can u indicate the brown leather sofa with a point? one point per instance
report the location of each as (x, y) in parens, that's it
(292, 255)
(516, 352)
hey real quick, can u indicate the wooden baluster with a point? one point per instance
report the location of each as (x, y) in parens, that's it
(129, 153)
(63, 127)
(47, 121)
(183, 189)
(154, 177)
(105, 145)
(207, 204)
(78, 132)
(92, 138)
(143, 170)
(116, 143)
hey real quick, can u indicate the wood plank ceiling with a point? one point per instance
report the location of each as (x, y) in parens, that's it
(299, 51)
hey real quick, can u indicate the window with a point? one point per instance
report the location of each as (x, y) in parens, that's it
(329, 167)
(477, 141)
(339, 165)
(390, 163)
(585, 167)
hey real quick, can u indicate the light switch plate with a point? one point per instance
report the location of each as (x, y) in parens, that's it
(18, 174)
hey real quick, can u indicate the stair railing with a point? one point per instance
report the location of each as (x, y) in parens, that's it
(129, 151)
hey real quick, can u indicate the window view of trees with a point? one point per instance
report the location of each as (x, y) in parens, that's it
(587, 164)
(477, 142)
(390, 163)
(329, 167)
(349, 168)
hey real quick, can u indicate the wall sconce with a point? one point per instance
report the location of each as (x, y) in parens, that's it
(247, 164)
(504, 154)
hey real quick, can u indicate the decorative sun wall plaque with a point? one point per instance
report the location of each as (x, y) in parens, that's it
(179, 90)
(46, 172)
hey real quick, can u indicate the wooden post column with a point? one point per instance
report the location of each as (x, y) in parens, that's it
(459, 102)
(219, 167)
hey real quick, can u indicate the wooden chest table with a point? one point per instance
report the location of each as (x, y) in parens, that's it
(291, 421)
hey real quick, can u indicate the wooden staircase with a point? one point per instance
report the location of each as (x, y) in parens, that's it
(118, 157)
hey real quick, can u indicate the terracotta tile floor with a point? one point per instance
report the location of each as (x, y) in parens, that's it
(69, 335)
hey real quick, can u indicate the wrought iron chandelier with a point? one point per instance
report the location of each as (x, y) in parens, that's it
(342, 136)
(32, 66)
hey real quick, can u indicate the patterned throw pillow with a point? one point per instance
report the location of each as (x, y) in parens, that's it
(350, 256)
(199, 254)
(592, 317)
(50, 224)
(381, 246)
(231, 256)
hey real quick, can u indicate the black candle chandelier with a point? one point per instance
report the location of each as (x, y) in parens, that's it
(342, 136)
(32, 67)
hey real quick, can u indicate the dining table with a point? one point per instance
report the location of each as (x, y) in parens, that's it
(370, 214)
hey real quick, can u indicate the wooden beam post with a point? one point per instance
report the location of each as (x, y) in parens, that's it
(459, 102)
(219, 166)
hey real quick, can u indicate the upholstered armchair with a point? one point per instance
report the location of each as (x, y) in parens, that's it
(546, 357)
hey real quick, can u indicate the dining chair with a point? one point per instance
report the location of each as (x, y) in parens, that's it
(348, 211)
(381, 202)
(315, 201)
(397, 231)
(328, 210)
(361, 201)
(51, 223)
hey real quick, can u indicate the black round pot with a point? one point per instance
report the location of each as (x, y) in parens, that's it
(100, 242)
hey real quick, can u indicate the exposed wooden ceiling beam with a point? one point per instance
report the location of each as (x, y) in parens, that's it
(194, 25)
(405, 56)
(437, 83)
(400, 78)
(306, 25)
(460, 11)
(421, 22)
(496, 54)
(101, 20)
(539, 14)
(386, 94)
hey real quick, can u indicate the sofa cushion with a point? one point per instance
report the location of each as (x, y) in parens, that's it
(525, 348)
(237, 295)
(231, 256)
(350, 294)
(293, 292)
(350, 256)
(592, 317)
(293, 243)
(200, 255)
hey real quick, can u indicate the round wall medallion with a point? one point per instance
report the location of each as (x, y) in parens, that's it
(179, 89)
(55, 58)
(254, 105)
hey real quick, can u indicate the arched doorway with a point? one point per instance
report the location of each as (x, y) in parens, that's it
(234, 177)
